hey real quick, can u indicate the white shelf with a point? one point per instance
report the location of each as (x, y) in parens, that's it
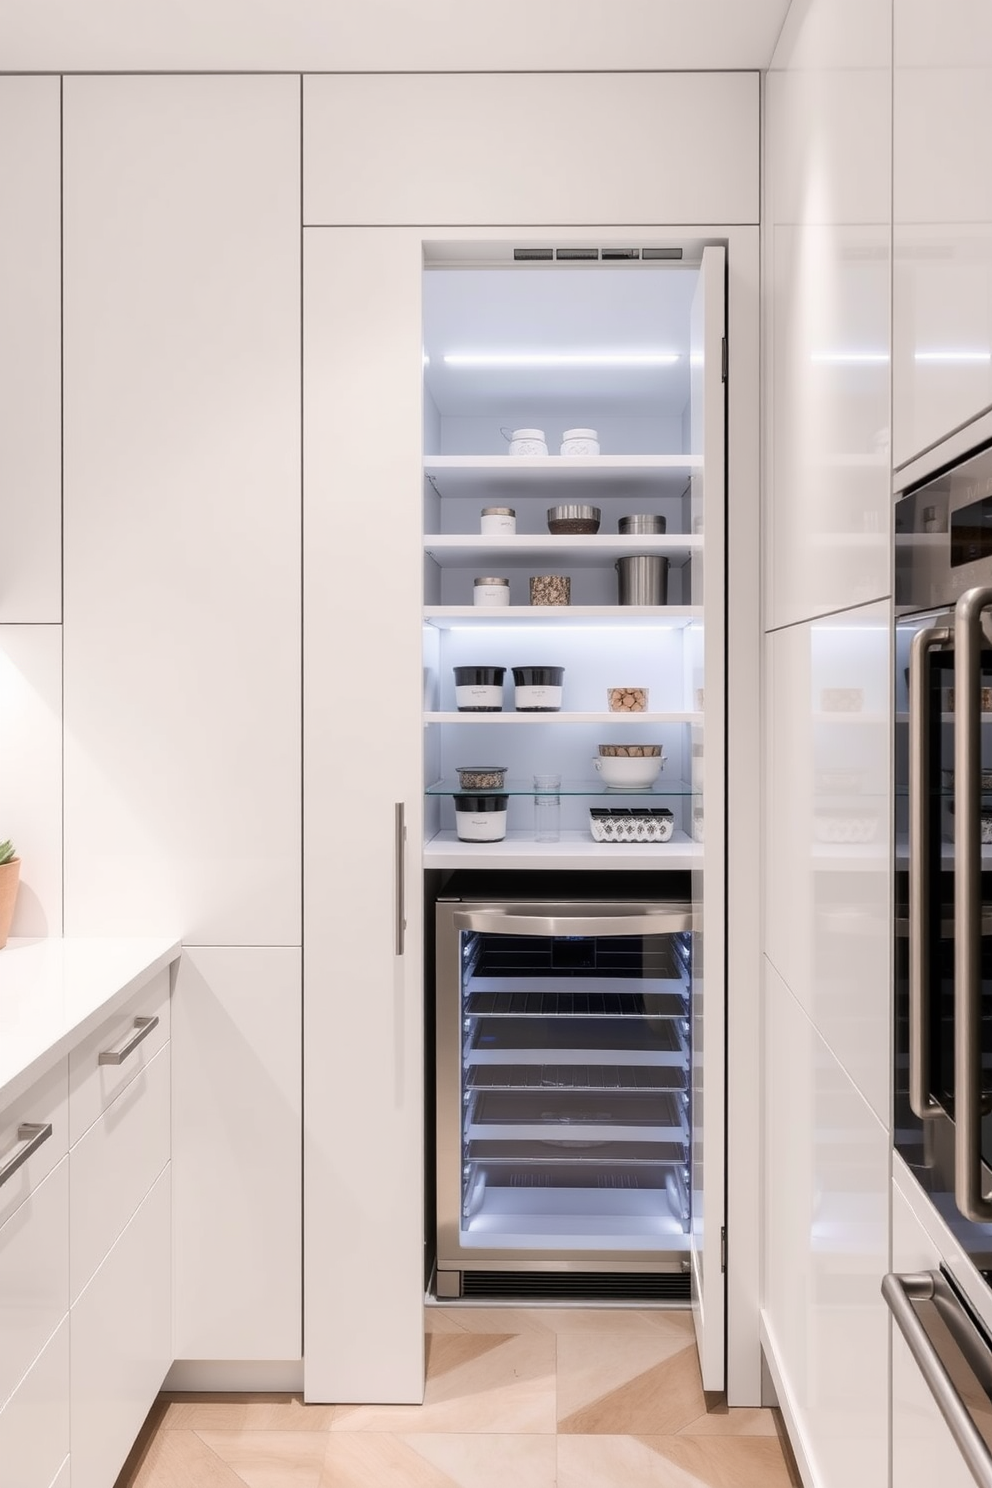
(620, 476)
(674, 617)
(451, 550)
(511, 717)
(520, 851)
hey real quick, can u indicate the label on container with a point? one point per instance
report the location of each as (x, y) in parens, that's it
(497, 524)
(491, 594)
(538, 697)
(479, 697)
(485, 826)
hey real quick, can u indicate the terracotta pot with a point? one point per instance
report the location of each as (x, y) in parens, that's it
(9, 877)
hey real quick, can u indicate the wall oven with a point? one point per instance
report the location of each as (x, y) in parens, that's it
(943, 822)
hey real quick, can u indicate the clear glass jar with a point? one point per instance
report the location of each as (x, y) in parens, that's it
(547, 808)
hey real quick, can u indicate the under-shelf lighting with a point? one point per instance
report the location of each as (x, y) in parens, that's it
(849, 358)
(562, 359)
(952, 356)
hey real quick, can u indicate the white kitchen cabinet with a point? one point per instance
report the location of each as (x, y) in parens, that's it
(942, 222)
(34, 1276)
(31, 770)
(923, 1449)
(121, 1329)
(826, 1182)
(363, 922)
(30, 350)
(236, 1113)
(182, 506)
(35, 1422)
(828, 926)
(531, 148)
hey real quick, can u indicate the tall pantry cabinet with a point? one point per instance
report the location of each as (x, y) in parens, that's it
(377, 204)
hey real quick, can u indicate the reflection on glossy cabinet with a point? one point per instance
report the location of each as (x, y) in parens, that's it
(35, 1421)
(30, 350)
(923, 1451)
(942, 221)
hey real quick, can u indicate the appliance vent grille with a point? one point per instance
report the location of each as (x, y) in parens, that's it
(656, 253)
(532, 255)
(620, 253)
(578, 253)
(589, 1286)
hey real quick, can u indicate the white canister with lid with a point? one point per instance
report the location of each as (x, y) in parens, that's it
(498, 521)
(580, 442)
(528, 442)
(491, 591)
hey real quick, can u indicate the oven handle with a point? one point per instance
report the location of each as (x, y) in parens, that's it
(968, 642)
(900, 1292)
(594, 920)
(924, 641)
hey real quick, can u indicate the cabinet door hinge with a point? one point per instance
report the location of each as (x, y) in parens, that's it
(723, 1242)
(723, 359)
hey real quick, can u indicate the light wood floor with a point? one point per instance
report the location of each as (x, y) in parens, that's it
(528, 1398)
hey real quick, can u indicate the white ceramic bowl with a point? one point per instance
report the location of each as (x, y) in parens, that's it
(629, 774)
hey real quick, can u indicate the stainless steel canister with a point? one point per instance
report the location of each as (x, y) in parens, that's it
(642, 580)
(641, 522)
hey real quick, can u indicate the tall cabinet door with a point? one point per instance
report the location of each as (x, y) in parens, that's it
(708, 443)
(363, 934)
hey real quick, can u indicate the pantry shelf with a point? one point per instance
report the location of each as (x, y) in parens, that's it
(627, 720)
(656, 617)
(520, 851)
(450, 550)
(611, 476)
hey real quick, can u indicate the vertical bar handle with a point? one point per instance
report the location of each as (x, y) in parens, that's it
(921, 1101)
(968, 641)
(400, 860)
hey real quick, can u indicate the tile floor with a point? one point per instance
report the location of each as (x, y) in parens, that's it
(516, 1398)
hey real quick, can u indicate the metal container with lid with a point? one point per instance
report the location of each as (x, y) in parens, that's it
(491, 591)
(642, 580)
(641, 522)
(498, 519)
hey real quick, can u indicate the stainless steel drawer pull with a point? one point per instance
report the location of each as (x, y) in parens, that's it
(31, 1134)
(142, 1028)
(971, 1363)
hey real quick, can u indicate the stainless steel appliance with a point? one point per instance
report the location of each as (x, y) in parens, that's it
(563, 1104)
(943, 922)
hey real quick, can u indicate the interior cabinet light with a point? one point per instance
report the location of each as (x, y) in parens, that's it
(849, 358)
(563, 359)
(952, 356)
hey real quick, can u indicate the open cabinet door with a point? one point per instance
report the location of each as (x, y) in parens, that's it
(708, 508)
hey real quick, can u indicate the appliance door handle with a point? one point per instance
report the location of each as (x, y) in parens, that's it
(924, 641)
(968, 642)
(30, 1135)
(595, 920)
(399, 849)
(927, 1286)
(142, 1028)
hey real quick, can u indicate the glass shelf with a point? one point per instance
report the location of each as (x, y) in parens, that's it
(567, 788)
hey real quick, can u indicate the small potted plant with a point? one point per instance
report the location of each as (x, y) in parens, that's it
(10, 872)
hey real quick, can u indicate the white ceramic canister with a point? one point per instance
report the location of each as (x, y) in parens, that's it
(491, 591)
(497, 521)
(480, 818)
(528, 442)
(580, 442)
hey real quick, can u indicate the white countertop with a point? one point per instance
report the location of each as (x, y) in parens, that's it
(54, 992)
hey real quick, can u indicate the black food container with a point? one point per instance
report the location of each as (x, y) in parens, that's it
(538, 688)
(479, 689)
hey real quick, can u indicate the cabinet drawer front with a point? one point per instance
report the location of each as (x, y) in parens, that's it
(114, 1165)
(94, 1086)
(34, 1424)
(122, 1342)
(34, 1276)
(46, 1102)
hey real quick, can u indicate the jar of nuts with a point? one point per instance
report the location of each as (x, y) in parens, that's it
(627, 699)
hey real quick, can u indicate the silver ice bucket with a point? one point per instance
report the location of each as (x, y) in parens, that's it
(642, 580)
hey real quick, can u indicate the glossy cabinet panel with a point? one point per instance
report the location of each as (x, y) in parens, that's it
(34, 1277)
(34, 1423)
(923, 1451)
(121, 1342)
(237, 1114)
(942, 221)
(30, 351)
(364, 1011)
(31, 774)
(182, 507)
(826, 1249)
(826, 253)
(44, 1103)
(501, 165)
(827, 929)
(114, 1165)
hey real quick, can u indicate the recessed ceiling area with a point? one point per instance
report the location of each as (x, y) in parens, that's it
(390, 35)
(560, 338)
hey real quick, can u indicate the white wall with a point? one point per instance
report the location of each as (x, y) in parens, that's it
(827, 862)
